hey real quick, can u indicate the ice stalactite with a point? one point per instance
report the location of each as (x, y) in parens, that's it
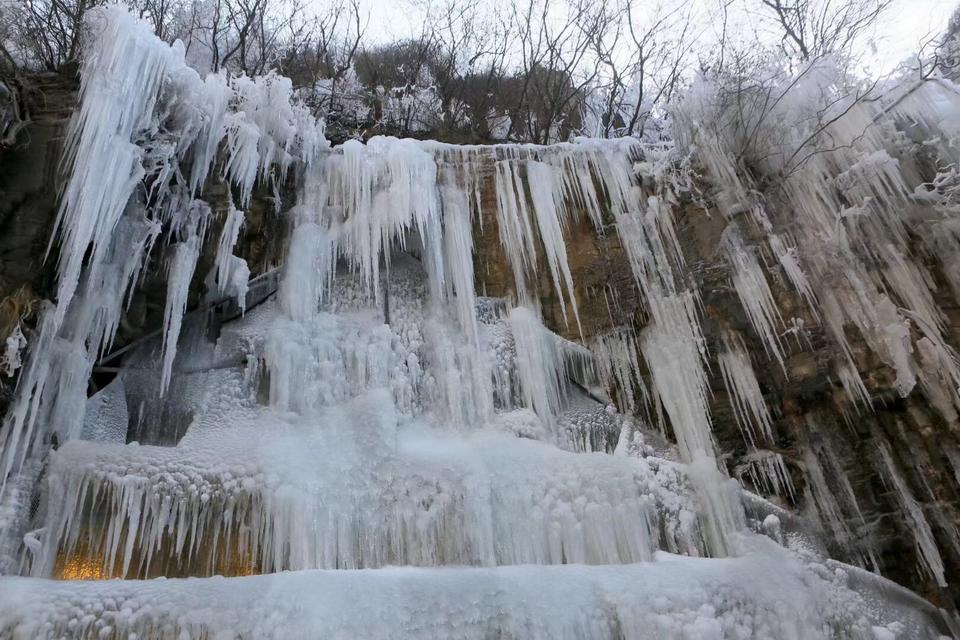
(789, 259)
(768, 472)
(616, 358)
(265, 132)
(672, 345)
(458, 248)
(376, 194)
(754, 293)
(213, 101)
(830, 492)
(927, 548)
(534, 189)
(180, 273)
(105, 161)
(675, 352)
(231, 273)
(747, 401)
(836, 221)
(550, 214)
(514, 224)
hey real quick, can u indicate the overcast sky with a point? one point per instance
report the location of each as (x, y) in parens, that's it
(907, 23)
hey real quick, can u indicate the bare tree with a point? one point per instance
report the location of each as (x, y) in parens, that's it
(46, 33)
(320, 52)
(554, 42)
(812, 28)
(467, 61)
(643, 63)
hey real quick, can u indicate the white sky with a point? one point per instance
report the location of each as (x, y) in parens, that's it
(909, 22)
(904, 26)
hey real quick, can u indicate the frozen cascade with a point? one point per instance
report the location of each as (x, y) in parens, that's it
(376, 411)
(675, 353)
(540, 364)
(475, 501)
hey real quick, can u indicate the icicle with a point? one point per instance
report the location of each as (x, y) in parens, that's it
(768, 472)
(853, 386)
(746, 399)
(105, 162)
(551, 222)
(180, 273)
(230, 273)
(215, 99)
(458, 252)
(514, 224)
(616, 358)
(121, 76)
(754, 293)
(228, 239)
(827, 501)
(913, 511)
(790, 261)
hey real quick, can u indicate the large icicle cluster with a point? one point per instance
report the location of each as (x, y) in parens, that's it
(122, 194)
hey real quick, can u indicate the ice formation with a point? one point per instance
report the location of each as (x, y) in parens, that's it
(672, 597)
(749, 407)
(12, 358)
(230, 273)
(912, 510)
(378, 411)
(105, 228)
(182, 263)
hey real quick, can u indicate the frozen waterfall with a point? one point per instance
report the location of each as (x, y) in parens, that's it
(377, 447)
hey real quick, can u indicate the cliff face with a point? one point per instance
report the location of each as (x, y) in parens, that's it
(28, 203)
(830, 447)
(861, 474)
